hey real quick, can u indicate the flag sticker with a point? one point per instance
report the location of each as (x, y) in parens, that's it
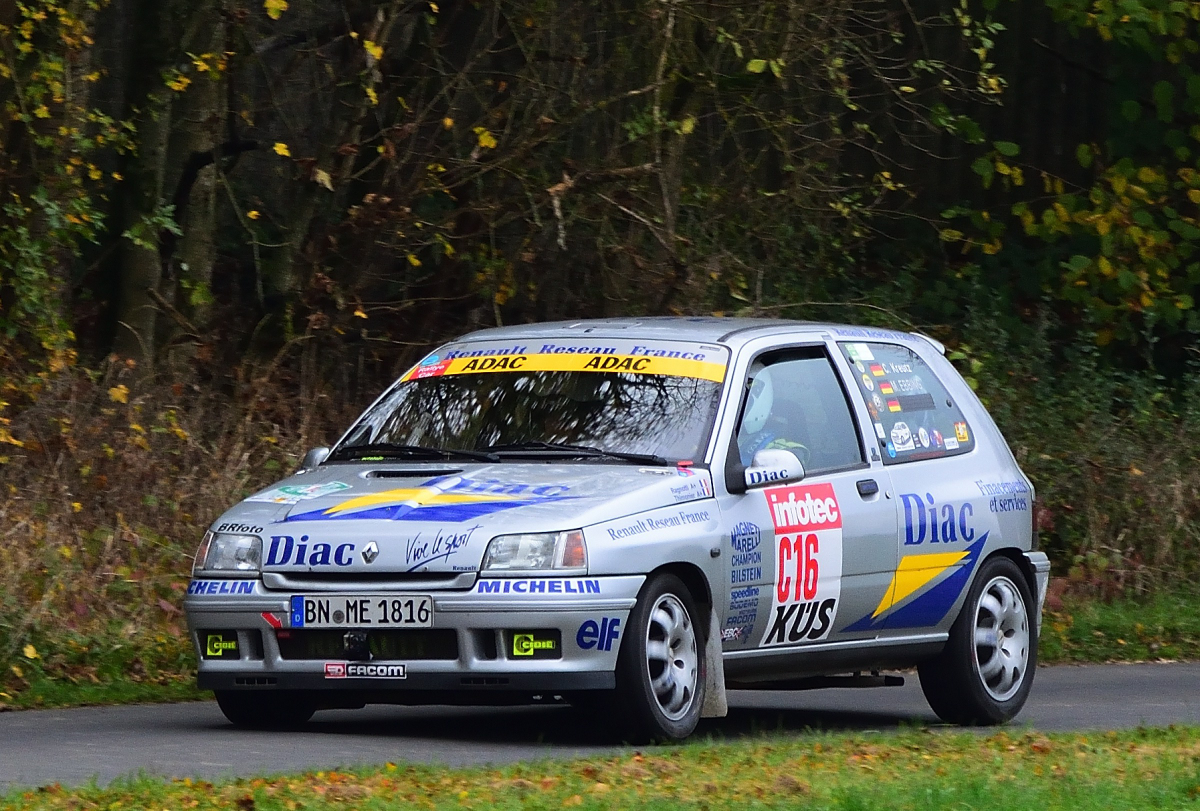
(877, 370)
(886, 387)
(893, 405)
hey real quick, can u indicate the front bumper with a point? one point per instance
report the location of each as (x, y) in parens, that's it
(473, 653)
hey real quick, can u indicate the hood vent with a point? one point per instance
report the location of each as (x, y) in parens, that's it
(409, 474)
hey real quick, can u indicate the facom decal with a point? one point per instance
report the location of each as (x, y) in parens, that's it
(808, 563)
(651, 524)
(504, 585)
(221, 587)
(447, 499)
(358, 670)
(295, 493)
(746, 560)
(242, 529)
(926, 520)
(598, 635)
(335, 670)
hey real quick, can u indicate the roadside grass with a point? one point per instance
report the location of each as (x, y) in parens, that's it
(857, 772)
(1164, 626)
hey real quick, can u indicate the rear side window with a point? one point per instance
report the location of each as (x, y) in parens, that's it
(914, 418)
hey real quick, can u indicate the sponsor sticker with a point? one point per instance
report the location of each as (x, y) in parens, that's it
(902, 438)
(961, 433)
(598, 635)
(808, 563)
(220, 588)
(536, 645)
(364, 670)
(667, 359)
(220, 645)
(295, 493)
(522, 586)
(868, 384)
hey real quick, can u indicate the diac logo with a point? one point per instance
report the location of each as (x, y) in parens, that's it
(526, 644)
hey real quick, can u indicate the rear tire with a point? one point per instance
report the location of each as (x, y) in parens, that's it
(255, 710)
(661, 667)
(985, 672)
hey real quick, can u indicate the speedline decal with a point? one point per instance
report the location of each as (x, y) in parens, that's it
(538, 362)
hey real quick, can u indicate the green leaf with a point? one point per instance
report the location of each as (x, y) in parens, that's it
(1164, 96)
(1083, 154)
(950, 235)
(1131, 110)
(1007, 148)
(756, 65)
(985, 169)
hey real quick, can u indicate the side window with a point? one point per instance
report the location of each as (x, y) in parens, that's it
(796, 403)
(913, 416)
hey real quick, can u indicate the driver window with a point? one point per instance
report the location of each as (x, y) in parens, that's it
(797, 404)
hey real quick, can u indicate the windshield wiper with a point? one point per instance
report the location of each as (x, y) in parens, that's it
(407, 451)
(579, 450)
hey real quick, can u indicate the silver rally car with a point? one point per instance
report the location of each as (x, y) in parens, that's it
(634, 515)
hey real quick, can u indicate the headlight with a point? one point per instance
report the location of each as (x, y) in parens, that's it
(558, 551)
(219, 553)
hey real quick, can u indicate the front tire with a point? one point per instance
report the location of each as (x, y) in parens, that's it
(661, 667)
(985, 672)
(255, 710)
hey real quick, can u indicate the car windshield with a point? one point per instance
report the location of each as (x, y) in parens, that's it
(616, 397)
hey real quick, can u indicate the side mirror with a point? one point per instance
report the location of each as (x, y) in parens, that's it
(313, 458)
(773, 467)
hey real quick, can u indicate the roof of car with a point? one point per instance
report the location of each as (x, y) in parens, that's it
(709, 329)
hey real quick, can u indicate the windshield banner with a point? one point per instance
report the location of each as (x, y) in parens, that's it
(676, 359)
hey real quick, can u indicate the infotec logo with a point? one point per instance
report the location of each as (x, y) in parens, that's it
(217, 646)
(804, 507)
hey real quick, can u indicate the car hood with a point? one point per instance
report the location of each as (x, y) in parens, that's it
(374, 517)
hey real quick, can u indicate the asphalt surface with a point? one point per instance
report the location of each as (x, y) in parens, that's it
(193, 740)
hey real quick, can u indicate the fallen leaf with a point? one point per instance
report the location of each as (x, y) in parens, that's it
(282, 150)
(30, 652)
(322, 178)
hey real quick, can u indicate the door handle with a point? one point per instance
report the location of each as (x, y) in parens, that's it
(867, 487)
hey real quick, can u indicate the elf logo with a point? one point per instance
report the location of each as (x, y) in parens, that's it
(599, 636)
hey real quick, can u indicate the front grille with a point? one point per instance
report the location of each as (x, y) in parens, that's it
(254, 681)
(370, 581)
(390, 645)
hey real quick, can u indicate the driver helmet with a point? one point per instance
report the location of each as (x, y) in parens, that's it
(759, 402)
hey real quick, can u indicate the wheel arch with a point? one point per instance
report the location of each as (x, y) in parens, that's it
(1017, 556)
(696, 581)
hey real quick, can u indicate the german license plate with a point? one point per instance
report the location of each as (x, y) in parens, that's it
(362, 610)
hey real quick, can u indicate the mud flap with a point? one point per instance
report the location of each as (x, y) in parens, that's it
(715, 703)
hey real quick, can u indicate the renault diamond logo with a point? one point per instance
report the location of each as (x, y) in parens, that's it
(370, 552)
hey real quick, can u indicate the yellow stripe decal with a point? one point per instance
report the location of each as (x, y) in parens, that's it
(914, 572)
(572, 362)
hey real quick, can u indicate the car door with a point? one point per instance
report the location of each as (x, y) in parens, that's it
(928, 448)
(808, 556)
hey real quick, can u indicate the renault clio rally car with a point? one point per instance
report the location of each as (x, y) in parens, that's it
(636, 514)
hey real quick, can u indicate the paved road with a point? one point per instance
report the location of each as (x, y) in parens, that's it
(193, 740)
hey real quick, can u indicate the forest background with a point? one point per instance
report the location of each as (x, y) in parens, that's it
(225, 225)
